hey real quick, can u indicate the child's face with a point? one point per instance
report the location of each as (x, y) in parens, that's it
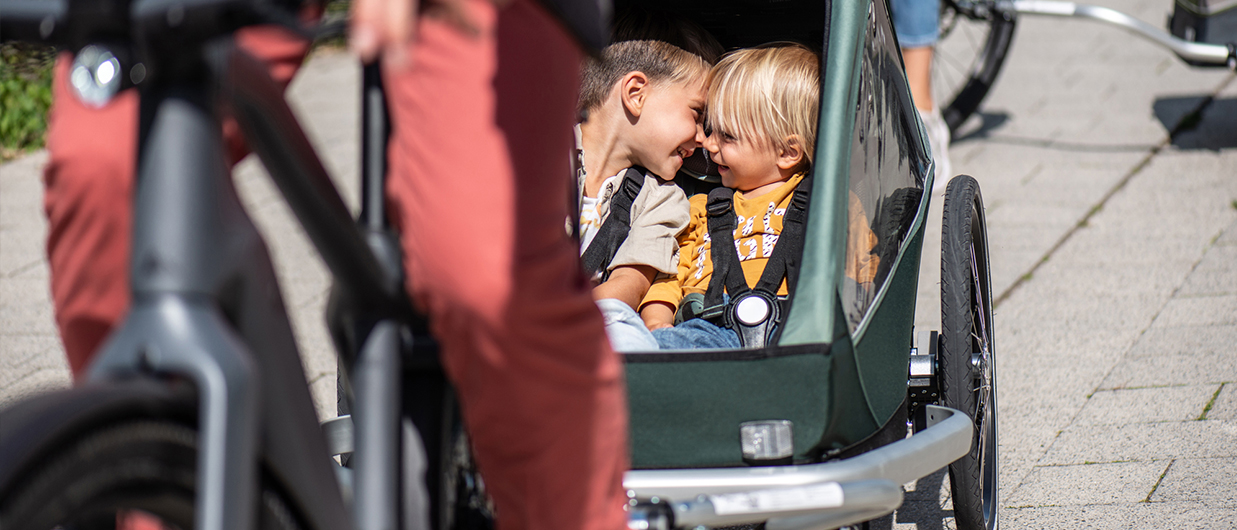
(744, 163)
(670, 127)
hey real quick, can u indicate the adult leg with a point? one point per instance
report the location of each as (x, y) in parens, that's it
(88, 196)
(482, 129)
(917, 25)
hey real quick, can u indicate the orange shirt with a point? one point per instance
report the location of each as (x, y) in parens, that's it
(758, 225)
(759, 222)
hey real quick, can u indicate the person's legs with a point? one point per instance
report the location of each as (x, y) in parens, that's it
(696, 334)
(479, 173)
(917, 25)
(88, 196)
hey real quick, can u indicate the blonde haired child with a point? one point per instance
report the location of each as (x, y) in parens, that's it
(763, 108)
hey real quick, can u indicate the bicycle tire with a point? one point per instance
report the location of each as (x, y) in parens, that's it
(968, 381)
(140, 465)
(975, 36)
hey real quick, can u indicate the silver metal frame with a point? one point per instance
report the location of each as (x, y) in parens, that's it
(1191, 51)
(870, 482)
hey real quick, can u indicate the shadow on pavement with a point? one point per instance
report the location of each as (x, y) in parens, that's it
(989, 121)
(922, 507)
(1212, 128)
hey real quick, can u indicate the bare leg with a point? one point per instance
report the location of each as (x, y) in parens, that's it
(919, 76)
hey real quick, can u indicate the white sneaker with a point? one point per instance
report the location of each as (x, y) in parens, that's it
(938, 139)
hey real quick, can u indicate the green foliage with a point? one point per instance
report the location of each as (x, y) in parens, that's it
(25, 96)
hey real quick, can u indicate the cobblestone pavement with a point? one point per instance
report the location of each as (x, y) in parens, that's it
(1109, 171)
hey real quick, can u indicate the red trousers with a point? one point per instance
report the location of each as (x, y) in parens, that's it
(479, 168)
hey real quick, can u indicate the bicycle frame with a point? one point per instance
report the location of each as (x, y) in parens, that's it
(205, 302)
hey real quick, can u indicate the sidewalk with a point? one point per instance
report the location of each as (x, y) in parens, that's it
(1114, 252)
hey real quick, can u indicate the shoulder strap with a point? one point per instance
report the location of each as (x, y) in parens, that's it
(614, 229)
(727, 273)
(788, 251)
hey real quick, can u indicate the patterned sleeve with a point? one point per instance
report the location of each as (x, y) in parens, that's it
(669, 288)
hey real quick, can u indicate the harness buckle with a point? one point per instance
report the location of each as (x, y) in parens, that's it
(752, 315)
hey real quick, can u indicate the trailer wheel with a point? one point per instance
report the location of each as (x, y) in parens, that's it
(967, 363)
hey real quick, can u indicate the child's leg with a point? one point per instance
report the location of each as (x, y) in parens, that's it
(696, 334)
(624, 327)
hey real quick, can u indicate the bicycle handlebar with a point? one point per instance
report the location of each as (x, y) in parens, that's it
(144, 23)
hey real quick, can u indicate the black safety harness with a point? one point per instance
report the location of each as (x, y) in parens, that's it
(613, 231)
(752, 312)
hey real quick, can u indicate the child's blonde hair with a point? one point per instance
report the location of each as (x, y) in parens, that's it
(662, 62)
(766, 94)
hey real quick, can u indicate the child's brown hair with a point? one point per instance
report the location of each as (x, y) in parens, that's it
(661, 62)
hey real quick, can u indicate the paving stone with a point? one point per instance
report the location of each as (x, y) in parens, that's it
(33, 384)
(1183, 515)
(1225, 406)
(1214, 274)
(1143, 405)
(1228, 237)
(25, 308)
(1124, 482)
(1199, 311)
(1206, 481)
(1144, 442)
(1193, 368)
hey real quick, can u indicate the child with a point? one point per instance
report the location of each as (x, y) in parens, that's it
(763, 107)
(644, 101)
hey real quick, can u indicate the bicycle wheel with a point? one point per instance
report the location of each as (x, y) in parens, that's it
(967, 363)
(975, 37)
(144, 469)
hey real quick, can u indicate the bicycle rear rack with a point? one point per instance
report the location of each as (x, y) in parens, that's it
(1193, 52)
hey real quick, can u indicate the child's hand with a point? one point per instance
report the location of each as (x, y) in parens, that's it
(657, 315)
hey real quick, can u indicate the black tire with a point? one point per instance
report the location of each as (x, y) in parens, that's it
(974, 40)
(968, 382)
(139, 465)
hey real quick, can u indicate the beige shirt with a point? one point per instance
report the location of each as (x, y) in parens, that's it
(658, 215)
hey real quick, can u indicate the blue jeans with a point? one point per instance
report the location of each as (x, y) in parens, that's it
(916, 22)
(696, 334)
(624, 327)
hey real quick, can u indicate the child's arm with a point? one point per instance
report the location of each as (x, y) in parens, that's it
(658, 215)
(662, 300)
(627, 283)
(657, 315)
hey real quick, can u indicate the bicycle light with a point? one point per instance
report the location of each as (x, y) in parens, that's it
(767, 439)
(95, 75)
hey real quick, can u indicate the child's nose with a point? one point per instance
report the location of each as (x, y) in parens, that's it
(710, 143)
(700, 134)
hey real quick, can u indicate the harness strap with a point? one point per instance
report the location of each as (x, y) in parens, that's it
(787, 252)
(727, 272)
(614, 229)
(755, 321)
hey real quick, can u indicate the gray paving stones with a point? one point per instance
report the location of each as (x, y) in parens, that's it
(1183, 515)
(1205, 481)
(1141, 442)
(1225, 405)
(1199, 310)
(1116, 483)
(1143, 405)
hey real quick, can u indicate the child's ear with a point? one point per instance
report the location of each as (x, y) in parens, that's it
(793, 154)
(634, 92)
